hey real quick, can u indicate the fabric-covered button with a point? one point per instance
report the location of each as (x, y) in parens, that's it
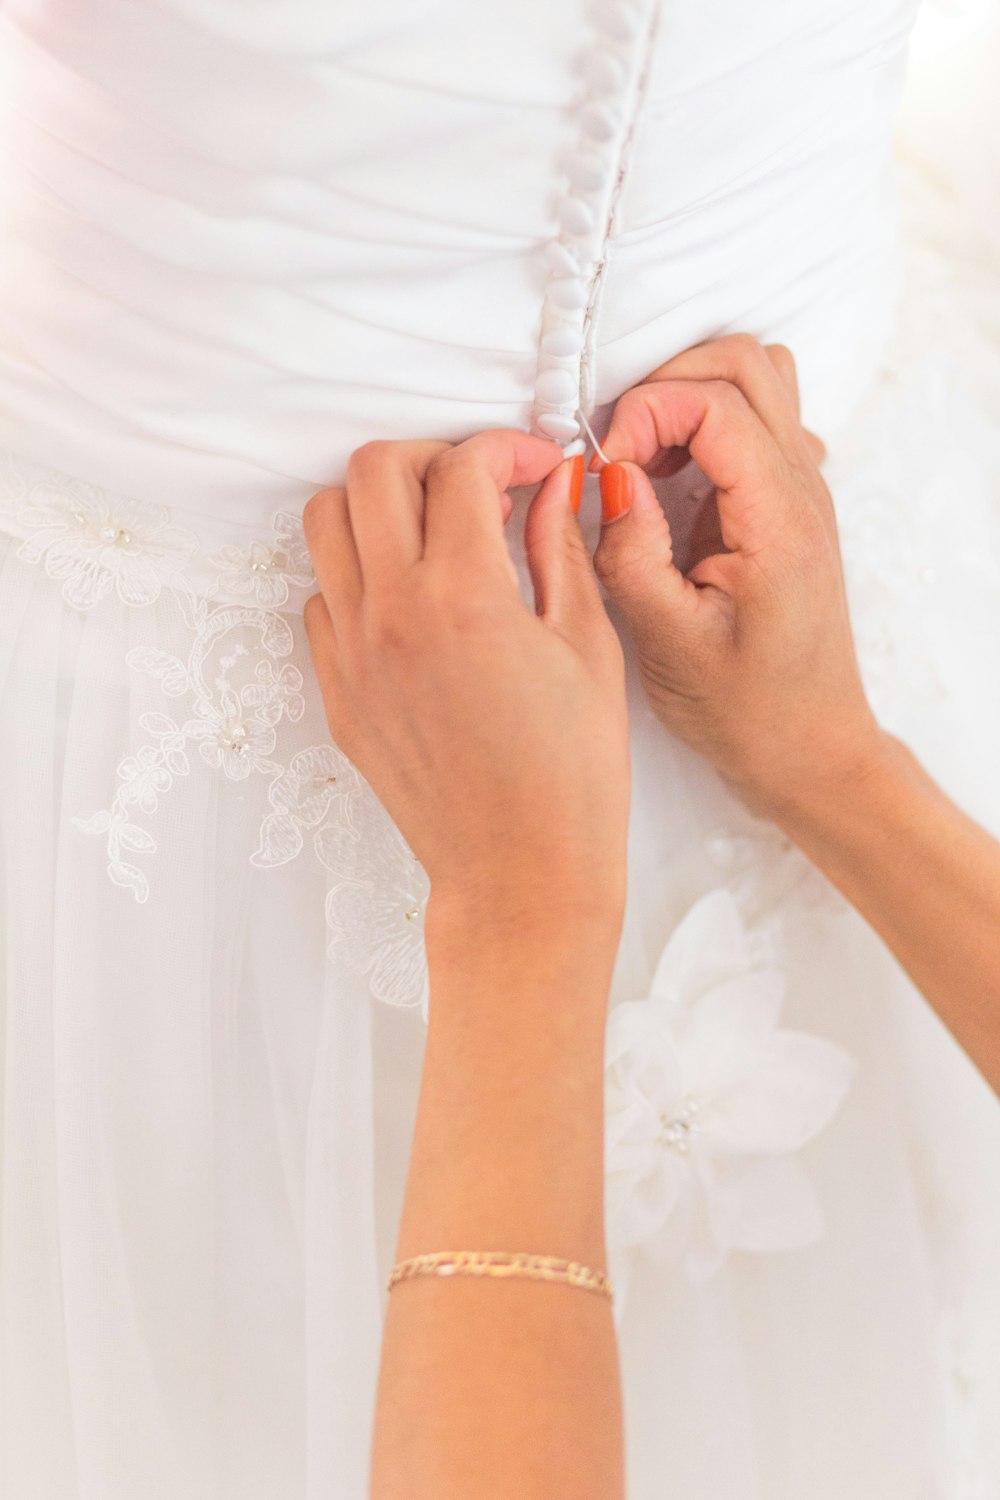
(599, 121)
(613, 70)
(557, 385)
(555, 425)
(563, 260)
(618, 19)
(569, 292)
(563, 342)
(576, 216)
(587, 171)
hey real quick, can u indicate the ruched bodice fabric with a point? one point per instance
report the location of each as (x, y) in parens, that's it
(243, 239)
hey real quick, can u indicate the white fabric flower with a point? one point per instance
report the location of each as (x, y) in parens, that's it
(708, 1100)
(265, 571)
(92, 544)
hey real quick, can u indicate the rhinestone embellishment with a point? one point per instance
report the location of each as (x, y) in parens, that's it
(680, 1127)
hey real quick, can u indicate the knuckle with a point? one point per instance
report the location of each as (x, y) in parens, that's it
(315, 511)
(745, 349)
(448, 462)
(369, 461)
(728, 398)
(391, 625)
(454, 463)
(782, 357)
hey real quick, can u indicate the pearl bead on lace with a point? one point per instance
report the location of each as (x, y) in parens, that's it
(235, 738)
(678, 1129)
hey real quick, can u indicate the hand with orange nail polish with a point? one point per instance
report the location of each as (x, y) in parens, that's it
(494, 733)
(615, 492)
(748, 656)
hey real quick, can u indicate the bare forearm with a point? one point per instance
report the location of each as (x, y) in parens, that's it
(927, 878)
(495, 1388)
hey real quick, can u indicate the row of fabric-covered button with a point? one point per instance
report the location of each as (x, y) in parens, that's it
(574, 257)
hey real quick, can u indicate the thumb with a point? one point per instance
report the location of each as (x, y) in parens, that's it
(635, 556)
(566, 592)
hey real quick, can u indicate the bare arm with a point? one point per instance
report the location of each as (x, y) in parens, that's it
(925, 876)
(749, 657)
(493, 1389)
(496, 736)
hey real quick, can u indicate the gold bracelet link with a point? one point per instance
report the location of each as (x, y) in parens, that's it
(502, 1263)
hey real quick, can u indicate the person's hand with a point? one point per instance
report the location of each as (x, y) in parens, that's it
(749, 658)
(495, 735)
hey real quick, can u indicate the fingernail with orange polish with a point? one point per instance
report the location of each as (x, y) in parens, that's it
(616, 491)
(576, 482)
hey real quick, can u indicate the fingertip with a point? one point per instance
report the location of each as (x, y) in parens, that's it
(557, 498)
(576, 472)
(513, 457)
(616, 492)
(534, 458)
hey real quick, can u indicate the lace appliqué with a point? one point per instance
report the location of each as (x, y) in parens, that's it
(266, 571)
(375, 907)
(92, 545)
(236, 698)
(236, 693)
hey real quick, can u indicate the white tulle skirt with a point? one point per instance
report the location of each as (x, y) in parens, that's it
(212, 1029)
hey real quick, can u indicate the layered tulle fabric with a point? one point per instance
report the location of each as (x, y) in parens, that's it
(213, 983)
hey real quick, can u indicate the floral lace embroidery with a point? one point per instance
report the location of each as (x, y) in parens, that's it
(236, 704)
(237, 697)
(92, 545)
(375, 909)
(264, 571)
(376, 905)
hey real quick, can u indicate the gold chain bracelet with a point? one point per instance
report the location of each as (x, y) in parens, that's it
(502, 1263)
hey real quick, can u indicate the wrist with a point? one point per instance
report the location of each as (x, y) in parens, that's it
(530, 945)
(809, 783)
(526, 912)
(857, 786)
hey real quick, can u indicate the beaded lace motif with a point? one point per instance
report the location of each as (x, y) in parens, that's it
(233, 700)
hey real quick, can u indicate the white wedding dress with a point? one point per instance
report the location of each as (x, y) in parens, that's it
(239, 240)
